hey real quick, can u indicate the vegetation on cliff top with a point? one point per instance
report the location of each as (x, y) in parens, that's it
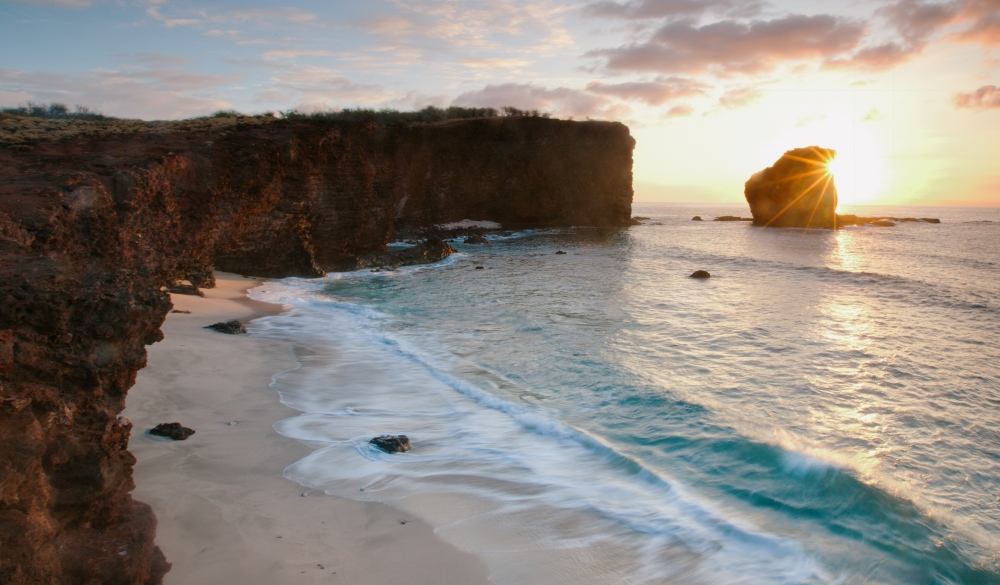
(24, 124)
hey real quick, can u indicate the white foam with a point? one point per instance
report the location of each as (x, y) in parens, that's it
(469, 224)
(551, 486)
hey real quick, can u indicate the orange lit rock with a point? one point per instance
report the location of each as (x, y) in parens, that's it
(797, 191)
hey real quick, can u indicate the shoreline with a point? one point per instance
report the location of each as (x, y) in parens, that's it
(225, 511)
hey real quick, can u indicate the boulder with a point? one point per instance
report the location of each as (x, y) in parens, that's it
(797, 191)
(172, 430)
(696, 218)
(180, 288)
(392, 444)
(700, 274)
(231, 327)
(476, 239)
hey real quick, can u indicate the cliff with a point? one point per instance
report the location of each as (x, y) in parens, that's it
(797, 191)
(96, 216)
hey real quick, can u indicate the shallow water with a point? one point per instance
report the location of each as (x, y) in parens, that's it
(822, 410)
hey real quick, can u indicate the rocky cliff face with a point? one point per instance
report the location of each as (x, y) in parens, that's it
(797, 191)
(96, 216)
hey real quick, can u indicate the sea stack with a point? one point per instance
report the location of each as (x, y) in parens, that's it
(797, 191)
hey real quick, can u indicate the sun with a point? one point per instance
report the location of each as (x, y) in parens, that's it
(861, 166)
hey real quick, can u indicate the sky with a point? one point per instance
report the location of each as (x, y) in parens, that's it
(906, 91)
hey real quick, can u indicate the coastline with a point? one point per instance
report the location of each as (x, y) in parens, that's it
(225, 512)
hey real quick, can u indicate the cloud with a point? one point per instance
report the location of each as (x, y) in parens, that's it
(495, 63)
(983, 22)
(873, 115)
(731, 46)
(278, 54)
(650, 9)
(66, 3)
(144, 94)
(984, 98)
(738, 98)
(654, 93)
(265, 17)
(511, 26)
(561, 101)
(679, 110)
(916, 21)
(312, 87)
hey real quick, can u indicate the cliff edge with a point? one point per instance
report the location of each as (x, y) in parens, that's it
(97, 216)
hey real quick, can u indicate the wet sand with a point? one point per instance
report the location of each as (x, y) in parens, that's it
(225, 512)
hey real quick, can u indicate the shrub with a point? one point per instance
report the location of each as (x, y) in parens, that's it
(428, 115)
(55, 110)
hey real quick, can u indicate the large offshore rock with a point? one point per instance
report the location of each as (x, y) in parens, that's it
(797, 191)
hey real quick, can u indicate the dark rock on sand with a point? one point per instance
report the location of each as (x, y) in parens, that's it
(797, 191)
(392, 444)
(696, 218)
(700, 274)
(476, 239)
(231, 327)
(480, 268)
(172, 430)
(184, 289)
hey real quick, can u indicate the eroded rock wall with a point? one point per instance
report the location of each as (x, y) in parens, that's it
(95, 221)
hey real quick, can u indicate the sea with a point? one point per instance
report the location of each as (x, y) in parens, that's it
(824, 409)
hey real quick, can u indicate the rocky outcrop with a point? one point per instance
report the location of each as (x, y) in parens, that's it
(173, 430)
(96, 220)
(797, 191)
(392, 444)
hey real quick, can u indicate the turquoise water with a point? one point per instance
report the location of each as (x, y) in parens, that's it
(824, 409)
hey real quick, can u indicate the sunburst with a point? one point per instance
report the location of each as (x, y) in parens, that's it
(825, 176)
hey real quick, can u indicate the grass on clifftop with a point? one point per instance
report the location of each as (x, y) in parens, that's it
(22, 125)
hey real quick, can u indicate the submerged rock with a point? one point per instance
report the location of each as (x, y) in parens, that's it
(173, 430)
(429, 251)
(476, 239)
(700, 274)
(392, 444)
(231, 327)
(797, 191)
(732, 218)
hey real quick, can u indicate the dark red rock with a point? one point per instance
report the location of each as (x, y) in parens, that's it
(797, 191)
(173, 430)
(93, 224)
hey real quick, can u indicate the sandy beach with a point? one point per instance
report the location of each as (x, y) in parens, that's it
(225, 512)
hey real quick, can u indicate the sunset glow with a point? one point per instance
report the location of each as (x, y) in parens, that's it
(906, 92)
